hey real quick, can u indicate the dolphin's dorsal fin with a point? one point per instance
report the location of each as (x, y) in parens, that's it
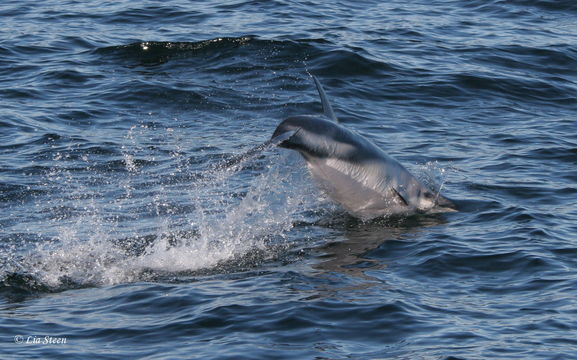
(327, 108)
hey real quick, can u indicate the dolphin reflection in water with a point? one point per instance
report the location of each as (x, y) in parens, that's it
(352, 170)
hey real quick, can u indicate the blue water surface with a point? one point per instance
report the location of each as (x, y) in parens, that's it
(125, 232)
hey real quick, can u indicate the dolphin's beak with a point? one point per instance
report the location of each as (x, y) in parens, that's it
(446, 204)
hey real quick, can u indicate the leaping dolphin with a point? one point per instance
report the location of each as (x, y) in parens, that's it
(352, 170)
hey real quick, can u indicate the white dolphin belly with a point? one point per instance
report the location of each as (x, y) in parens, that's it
(362, 190)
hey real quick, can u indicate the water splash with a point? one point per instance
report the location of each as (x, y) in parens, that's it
(261, 217)
(155, 210)
(433, 175)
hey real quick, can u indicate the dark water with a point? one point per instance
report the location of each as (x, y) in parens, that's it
(121, 235)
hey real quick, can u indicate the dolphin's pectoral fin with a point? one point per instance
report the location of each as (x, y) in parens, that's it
(400, 197)
(327, 108)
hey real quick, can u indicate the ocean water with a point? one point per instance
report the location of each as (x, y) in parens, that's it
(125, 231)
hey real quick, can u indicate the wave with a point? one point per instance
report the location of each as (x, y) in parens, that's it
(218, 53)
(157, 52)
(509, 8)
(551, 5)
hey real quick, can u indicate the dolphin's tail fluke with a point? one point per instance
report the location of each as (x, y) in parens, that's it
(279, 139)
(327, 108)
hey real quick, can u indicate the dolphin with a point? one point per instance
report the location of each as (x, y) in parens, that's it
(352, 170)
